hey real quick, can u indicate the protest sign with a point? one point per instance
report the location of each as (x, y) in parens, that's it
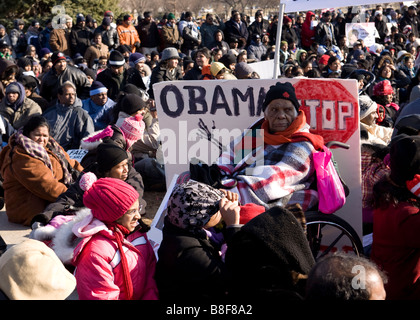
(305, 5)
(365, 31)
(77, 154)
(198, 119)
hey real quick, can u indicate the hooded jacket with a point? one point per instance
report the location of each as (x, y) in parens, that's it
(89, 245)
(308, 32)
(18, 113)
(59, 117)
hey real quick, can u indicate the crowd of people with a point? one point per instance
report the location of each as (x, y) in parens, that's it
(89, 86)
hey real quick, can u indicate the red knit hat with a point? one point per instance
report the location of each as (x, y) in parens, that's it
(324, 59)
(383, 88)
(109, 198)
(250, 211)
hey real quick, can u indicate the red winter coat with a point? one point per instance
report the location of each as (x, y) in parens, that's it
(307, 34)
(396, 249)
(99, 271)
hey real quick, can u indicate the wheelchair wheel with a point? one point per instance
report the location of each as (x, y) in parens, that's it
(324, 231)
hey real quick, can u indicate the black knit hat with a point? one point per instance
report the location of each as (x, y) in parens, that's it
(132, 103)
(116, 58)
(109, 155)
(281, 91)
(405, 158)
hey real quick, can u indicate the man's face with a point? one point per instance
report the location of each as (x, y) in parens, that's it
(60, 66)
(209, 19)
(2, 32)
(68, 97)
(117, 70)
(100, 99)
(237, 17)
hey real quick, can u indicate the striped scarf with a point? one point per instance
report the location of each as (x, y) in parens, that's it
(39, 152)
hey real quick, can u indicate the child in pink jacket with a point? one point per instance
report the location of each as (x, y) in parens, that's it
(114, 259)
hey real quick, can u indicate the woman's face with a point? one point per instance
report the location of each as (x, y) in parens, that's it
(119, 171)
(335, 66)
(386, 72)
(218, 37)
(280, 113)
(40, 135)
(130, 219)
(201, 60)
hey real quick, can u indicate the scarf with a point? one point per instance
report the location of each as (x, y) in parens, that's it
(120, 232)
(39, 152)
(292, 134)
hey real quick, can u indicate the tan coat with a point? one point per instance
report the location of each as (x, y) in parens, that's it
(59, 41)
(95, 52)
(29, 185)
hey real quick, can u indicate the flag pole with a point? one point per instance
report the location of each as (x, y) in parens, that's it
(278, 40)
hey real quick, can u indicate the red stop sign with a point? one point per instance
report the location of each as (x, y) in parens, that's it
(331, 110)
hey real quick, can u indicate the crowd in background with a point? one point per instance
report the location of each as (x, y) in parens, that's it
(90, 83)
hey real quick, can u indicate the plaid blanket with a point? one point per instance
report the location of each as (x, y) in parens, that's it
(269, 175)
(39, 152)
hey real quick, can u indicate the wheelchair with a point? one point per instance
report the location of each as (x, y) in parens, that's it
(324, 231)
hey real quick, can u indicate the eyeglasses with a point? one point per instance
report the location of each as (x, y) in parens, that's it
(134, 211)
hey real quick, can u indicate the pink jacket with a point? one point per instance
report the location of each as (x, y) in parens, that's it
(99, 272)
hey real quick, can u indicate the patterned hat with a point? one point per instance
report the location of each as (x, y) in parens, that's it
(192, 204)
(133, 129)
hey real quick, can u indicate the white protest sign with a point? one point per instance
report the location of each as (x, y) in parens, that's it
(77, 154)
(198, 118)
(263, 68)
(365, 31)
(155, 232)
(305, 5)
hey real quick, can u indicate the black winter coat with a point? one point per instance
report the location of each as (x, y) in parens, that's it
(190, 267)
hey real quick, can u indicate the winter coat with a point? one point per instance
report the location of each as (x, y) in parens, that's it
(109, 37)
(194, 74)
(170, 37)
(148, 34)
(51, 81)
(69, 124)
(396, 249)
(90, 246)
(324, 29)
(26, 109)
(259, 28)
(192, 38)
(308, 32)
(112, 82)
(128, 36)
(80, 39)
(99, 273)
(161, 73)
(269, 252)
(207, 34)
(135, 77)
(232, 31)
(59, 41)
(95, 51)
(412, 21)
(101, 116)
(29, 185)
(190, 267)
(289, 35)
(72, 199)
(256, 51)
